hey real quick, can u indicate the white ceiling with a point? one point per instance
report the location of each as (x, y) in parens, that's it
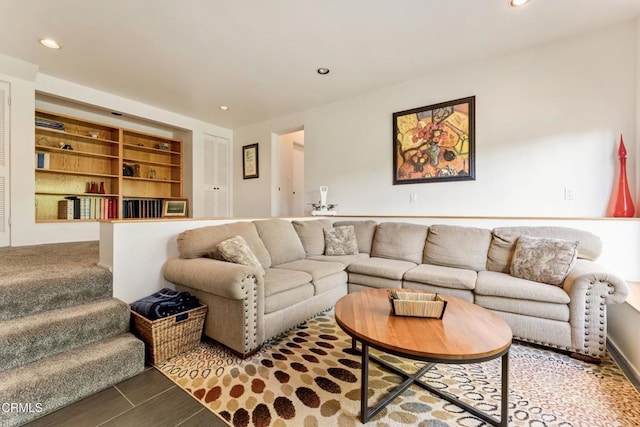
(260, 56)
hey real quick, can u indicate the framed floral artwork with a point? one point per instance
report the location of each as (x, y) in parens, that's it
(435, 143)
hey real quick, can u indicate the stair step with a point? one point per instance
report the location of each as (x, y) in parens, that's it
(37, 290)
(27, 339)
(47, 385)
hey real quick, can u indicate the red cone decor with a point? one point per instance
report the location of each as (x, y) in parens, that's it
(624, 204)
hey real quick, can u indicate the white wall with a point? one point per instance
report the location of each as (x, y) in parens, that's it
(254, 197)
(546, 118)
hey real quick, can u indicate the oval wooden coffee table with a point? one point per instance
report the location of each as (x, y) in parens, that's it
(467, 333)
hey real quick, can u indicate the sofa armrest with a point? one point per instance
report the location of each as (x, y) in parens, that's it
(590, 288)
(221, 278)
(234, 294)
(586, 274)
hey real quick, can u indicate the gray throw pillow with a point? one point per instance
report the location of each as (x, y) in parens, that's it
(340, 241)
(236, 250)
(543, 259)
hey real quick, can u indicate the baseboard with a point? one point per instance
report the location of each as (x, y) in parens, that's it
(624, 364)
(105, 266)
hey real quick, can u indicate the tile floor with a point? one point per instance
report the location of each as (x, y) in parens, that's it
(148, 399)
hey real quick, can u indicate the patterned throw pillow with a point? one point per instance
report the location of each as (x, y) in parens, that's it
(236, 249)
(340, 241)
(543, 259)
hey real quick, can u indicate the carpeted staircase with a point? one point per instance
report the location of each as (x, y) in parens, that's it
(62, 335)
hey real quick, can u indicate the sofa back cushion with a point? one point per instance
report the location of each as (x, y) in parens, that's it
(459, 247)
(201, 242)
(281, 240)
(311, 234)
(504, 242)
(399, 240)
(364, 233)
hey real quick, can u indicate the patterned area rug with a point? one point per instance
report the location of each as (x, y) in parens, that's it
(311, 377)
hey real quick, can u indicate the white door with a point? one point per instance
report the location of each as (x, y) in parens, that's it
(5, 239)
(216, 176)
(297, 203)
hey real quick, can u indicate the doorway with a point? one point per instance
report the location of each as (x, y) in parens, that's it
(290, 160)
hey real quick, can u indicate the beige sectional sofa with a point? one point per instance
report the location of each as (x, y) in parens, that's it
(246, 307)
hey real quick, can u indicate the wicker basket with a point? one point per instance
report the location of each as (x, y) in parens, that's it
(169, 336)
(417, 304)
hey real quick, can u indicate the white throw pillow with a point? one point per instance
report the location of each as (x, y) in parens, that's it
(236, 250)
(340, 241)
(543, 259)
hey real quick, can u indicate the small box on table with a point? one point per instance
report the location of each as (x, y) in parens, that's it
(417, 304)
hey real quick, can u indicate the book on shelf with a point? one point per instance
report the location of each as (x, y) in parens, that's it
(75, 200)
(87, 207)
(43, 160)
(65, 209)
(51, 124)
(142, 208)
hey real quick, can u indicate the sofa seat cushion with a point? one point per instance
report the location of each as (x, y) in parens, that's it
(278, 280)
(330, 282)
(281, 240)
(373, 281)
(342, 259)
(543, 310)
(399, 240)
(381, 267)
(491, 283)
(316, 269)
(458, 247)
(463, 294)
(288, 298)
(446, 277)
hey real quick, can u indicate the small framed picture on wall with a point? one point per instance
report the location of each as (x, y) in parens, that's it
(250, 161)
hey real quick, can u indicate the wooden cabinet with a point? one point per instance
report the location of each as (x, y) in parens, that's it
(81, 159)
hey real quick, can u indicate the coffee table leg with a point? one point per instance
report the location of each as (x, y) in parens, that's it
(364, 384)
(504, 405)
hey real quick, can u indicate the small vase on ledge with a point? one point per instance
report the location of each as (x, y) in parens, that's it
(624, 205)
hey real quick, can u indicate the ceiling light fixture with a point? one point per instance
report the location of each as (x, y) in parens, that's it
(51, 44)
(516, 3)
(323, 71)
(224, 108)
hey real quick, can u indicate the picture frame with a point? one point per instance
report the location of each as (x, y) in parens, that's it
(175, 208)
(250, 162)
(435, 143)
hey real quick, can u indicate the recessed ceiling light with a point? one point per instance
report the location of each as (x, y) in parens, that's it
(224, 108)
(323, 71)
(516, 3)
(51, 44)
